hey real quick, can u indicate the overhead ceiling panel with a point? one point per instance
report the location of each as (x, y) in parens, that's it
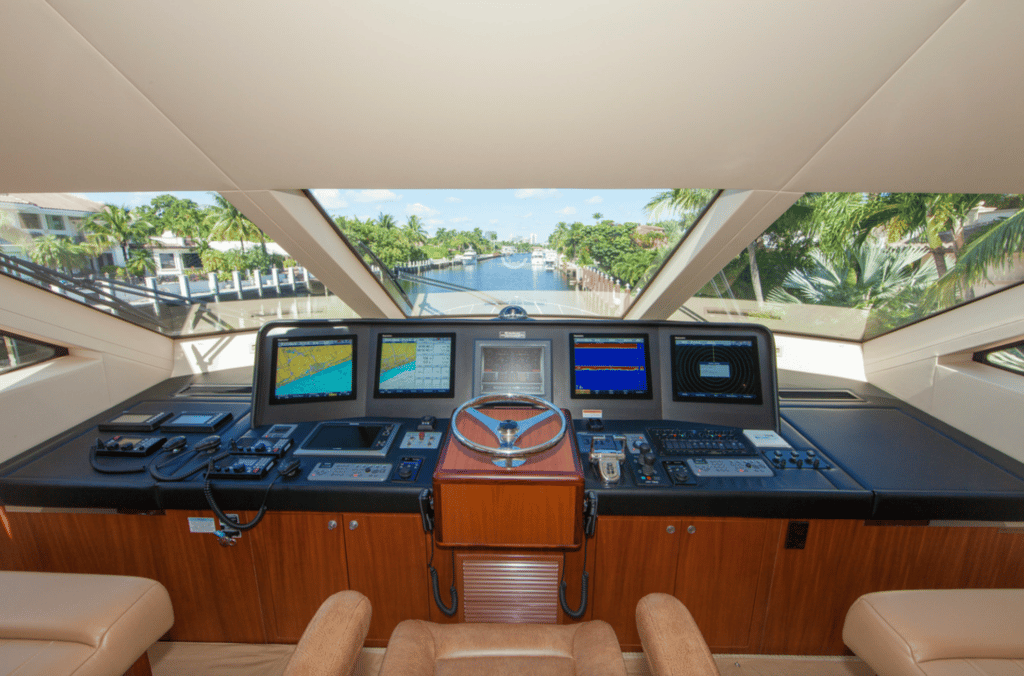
(491, 94)
(72, 122)
(948, 121)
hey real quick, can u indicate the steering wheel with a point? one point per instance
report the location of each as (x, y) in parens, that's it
(507, 432)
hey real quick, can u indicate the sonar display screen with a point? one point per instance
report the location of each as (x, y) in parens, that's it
(313, 369)
(417, 365)
(720, 370)
(610, 367)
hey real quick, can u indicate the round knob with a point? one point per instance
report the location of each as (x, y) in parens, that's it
(642, 446)
(353, 524)
(670, 530)
(691, 529)
(404, 472)
(332, 524)
(648, 458)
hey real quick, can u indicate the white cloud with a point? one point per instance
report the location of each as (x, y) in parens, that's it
(461, 219)
(493, 221)
(372, 195)
(452, 199)
(434, 221)
(536, 193)
(421, 209)
(596, 199)
(527, 214)
(568, 211)
(330, 199)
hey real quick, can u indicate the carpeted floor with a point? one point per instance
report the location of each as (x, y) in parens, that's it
(233, 659)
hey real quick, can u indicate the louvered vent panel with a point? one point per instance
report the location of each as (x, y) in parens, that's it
(510, 590)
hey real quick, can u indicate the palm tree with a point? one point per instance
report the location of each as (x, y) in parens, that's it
(139, 263)
(59, 253)
(118, 226)
(414, 228)
(229, 223)
(598, 216)
(386, 221)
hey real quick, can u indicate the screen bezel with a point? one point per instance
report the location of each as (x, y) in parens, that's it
(604, 394)
(478, 362)
(275, 342)
(759, 401)
(377, 394)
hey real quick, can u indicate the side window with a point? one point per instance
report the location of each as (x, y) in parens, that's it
(1008, 358)
(17, 351)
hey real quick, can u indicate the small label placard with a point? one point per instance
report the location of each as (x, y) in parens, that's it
(512, 334)
(766, 439)
(593, 413)
(201, 524)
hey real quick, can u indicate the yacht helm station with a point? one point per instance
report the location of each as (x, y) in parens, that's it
(281, 316)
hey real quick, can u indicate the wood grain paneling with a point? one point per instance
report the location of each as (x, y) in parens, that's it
(300, 561)
(636, 556)
(386, 562)
(211, 587)
(723, 576)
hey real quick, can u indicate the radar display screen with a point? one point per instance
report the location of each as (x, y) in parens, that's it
(610, 367)
(313, 369)
(712, 369)
(415, 365)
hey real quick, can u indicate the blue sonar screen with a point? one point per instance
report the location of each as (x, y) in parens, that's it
(610, 366)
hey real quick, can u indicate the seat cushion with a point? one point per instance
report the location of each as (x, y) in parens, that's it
(91, 625)
(417, 647)
(939, 632)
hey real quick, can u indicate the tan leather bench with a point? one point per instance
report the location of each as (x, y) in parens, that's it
(974, 632)
(86, 625)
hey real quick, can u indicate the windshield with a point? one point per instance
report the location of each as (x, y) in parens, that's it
(551, 251)
(857, 265)
(182, 263)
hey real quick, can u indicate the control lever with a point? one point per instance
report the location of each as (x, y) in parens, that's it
(607, 461)
(647, 458)
(210, 443)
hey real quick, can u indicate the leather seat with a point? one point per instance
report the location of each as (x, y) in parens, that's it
(672, 642)
(86, 625)
(418, 648)
(331, 643)
(947, 632)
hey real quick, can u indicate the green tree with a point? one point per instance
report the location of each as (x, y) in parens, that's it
(386, 221)
(598, 216)
(228, 223)
(59, 253)
(414, 227)
(118, 226)
(140, 262)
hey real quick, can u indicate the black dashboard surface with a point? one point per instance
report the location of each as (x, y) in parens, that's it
(880, 459)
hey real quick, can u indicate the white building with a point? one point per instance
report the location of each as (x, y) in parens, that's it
(40, 214)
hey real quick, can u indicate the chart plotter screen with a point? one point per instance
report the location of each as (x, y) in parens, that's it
(313, 369)
(610, 367)
(711, 369)
(415, 365)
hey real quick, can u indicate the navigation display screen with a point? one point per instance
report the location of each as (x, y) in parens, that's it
(610, 367)
(313, 369)
(512, 367)
(711, 369)
(415, 365)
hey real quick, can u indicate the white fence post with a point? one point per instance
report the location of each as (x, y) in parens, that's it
(257, 279)
(277, 281)
(236, 279)
(184, 286)
(291, 278)
(151, 285)
(214, 285)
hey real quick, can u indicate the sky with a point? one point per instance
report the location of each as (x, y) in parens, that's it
(510, 213)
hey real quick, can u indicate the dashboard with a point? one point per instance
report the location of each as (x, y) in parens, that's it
(665, 418)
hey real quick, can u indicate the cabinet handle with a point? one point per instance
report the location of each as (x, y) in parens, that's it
(332, 524)
(691, 529)
(353, 524)
(670, 530)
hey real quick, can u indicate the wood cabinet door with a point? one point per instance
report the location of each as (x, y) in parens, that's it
(387, 562)
(636, 556)
(723, 576)
(300, 561)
